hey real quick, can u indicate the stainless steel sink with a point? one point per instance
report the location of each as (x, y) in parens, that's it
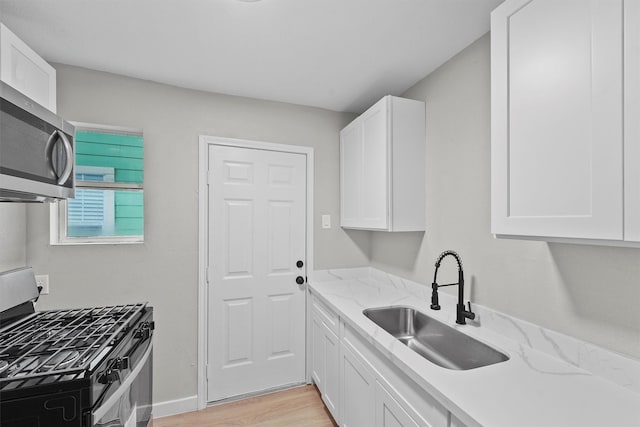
(433, 340)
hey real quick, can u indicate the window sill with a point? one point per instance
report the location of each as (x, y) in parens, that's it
(97, 242)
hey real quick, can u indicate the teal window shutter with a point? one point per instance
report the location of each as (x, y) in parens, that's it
(109, 185)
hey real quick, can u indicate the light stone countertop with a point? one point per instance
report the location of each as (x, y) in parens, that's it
(542, 387)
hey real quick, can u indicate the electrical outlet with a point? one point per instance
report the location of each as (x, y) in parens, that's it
(43, 280)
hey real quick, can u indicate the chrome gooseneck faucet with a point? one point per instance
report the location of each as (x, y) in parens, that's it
(461, 313)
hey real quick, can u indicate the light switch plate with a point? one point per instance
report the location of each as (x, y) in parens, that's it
(326, 221)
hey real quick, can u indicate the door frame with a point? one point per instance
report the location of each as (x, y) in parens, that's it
(203, 232)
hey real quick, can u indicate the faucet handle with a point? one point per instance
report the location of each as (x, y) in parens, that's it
(470, 314)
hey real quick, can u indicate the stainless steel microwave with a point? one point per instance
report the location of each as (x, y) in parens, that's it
(36, 151)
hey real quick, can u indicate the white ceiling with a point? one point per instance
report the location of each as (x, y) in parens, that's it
(341, 55)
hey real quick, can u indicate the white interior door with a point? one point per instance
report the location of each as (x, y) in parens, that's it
(257, 235)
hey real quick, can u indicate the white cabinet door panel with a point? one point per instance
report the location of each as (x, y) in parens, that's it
(317, 352)
(331, 395)
(351, 175)
(358, 398)
(24, 70)
(557, 119)
(374, 168)
(325, 362)
(389, 413)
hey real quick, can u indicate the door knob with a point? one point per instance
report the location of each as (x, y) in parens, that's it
(299, 280)
(299, 264)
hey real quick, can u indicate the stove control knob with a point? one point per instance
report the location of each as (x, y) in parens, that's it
(144, 331)
(121, 363)
(109, 376)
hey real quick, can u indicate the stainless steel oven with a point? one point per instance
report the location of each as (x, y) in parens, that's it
(36, 151)
(83, 367)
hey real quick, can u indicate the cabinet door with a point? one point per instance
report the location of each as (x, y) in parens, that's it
(351, 175)
(557, 118)
(331, 393)
(24, 70)
(325, 356)
(358, 398)
(375, 170)
(389, 413)
(317, 352)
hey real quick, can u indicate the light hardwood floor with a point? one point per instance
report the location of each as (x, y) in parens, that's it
(301, 406)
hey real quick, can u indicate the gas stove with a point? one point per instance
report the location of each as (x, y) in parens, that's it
(57, 343)
(78, 367)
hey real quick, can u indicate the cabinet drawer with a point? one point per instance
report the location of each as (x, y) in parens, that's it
(329, 318)
(425, 409)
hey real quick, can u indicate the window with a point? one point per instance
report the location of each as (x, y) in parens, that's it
(109, 202)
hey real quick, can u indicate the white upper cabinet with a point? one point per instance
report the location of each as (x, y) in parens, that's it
(558, 138)
(26, 71)
(382, 158)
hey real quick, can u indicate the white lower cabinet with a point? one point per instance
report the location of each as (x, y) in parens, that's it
(358, 391)
(317, 353)
(325, 363)
(331, 395)
(398, 400)
(389, 413)
(360, 386)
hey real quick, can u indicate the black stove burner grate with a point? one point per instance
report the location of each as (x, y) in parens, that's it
(62, 344)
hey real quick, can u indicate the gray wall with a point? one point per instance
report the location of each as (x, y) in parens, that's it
(589, 292)
(13, 236)
(164, 269)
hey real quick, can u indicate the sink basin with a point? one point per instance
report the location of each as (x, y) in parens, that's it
(433, 340)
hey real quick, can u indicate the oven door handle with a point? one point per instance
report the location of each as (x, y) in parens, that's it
(115, 397)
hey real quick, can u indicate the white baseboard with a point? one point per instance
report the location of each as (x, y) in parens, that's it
(174, 407)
